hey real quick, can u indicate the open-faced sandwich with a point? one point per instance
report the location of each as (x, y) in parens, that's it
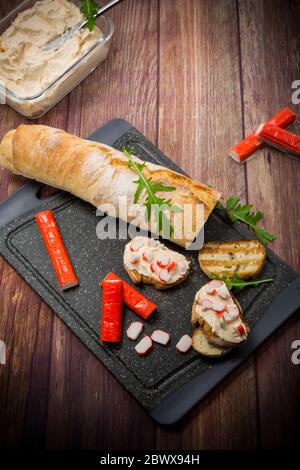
(149, 261)
(245, 258)
(220, 320)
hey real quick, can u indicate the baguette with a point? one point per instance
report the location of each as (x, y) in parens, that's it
(202, 346)
(245, 258)
(100, 175)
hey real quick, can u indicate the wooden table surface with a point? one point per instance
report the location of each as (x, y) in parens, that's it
(194, 76)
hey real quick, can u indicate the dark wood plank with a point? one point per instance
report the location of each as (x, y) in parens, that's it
(200, 115)
(270, 40)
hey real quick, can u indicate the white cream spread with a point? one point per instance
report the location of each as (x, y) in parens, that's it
(215, 305)
(153, 259)
(25, 68)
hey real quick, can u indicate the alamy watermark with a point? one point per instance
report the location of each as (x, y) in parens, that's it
(183, 226)
(296, 93)
(2, 352)
(296, 354)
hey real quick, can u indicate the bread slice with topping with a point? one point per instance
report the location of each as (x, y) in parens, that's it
(245, 258)
(148, 260)
(220, 318)
(202, 346)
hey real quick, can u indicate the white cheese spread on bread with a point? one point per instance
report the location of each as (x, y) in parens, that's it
(215, 306)
(148, 260)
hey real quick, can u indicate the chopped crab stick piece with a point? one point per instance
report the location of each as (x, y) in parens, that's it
(241, 329)
(223, 292)
(164, 275)
(148, 256)
(171, 266)
(184, 344)
(242, 151)
(206, 304)
(280, 138)
(134, 330)
(135, 245)
(231, 314)
(56, 249)
(212, 286)
(136, 301)
(163, 261)
(144, 346)
(218, 306)
(135, 258)
(161, 337)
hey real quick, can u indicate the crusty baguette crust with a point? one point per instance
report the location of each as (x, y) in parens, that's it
(213, 339)
(245, 258)
(137, 278)
(202, 346)
(98, 173)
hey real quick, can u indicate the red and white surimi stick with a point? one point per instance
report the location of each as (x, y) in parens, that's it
(144, 346)
(242, 151)
(134, 330)
(134, 299)
(112, 303)
(280, 138)
(161, 337)
(56, 249)
(184, 344)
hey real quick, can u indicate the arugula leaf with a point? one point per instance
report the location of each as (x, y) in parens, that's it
(236, 211)
(159, 204)
(237, 284)
(89, 9)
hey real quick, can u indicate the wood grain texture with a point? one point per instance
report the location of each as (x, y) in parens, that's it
(194, 76)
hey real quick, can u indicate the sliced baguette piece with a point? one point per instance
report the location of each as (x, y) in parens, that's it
(245, 258)
(149, 261)
(202, 346)
(206, 316)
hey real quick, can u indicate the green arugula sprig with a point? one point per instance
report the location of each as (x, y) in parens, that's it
(153, 203)
(89, 9)
(237, 284)
(236, 211)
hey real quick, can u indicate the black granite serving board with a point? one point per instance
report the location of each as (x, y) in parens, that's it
(165, 382)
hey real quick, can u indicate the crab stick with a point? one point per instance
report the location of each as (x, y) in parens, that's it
(136, 301)
(56, 249)
(111, 320)
(242, 151)
(280, 138)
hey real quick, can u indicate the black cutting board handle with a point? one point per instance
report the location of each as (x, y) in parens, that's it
(19, 203)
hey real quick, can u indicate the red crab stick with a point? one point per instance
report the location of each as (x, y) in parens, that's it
(136, 301)
(111, 321)
(242, 151)
(56, 249)
(280, 138)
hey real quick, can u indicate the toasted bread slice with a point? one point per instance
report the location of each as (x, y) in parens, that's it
(210, 326)
(149, 261)
(245, 258)
(202, 346)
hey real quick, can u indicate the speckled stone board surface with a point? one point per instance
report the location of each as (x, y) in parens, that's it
(164, 370)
